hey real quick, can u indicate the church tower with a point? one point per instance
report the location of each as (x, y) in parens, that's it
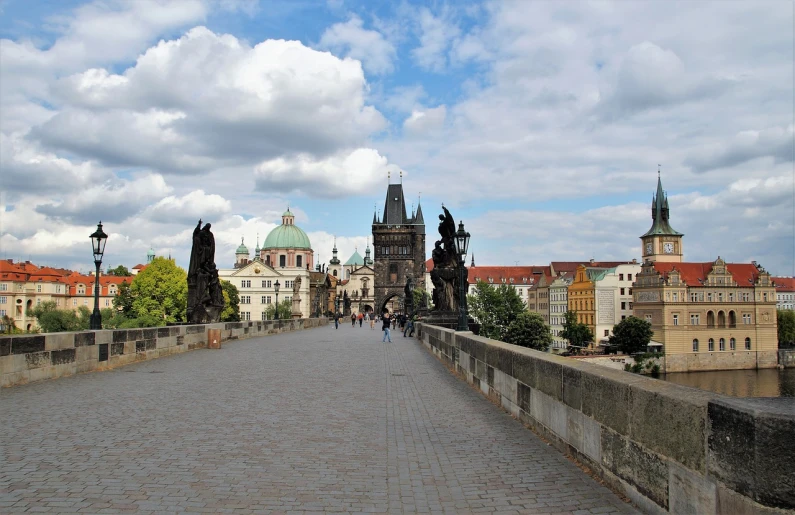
(335, 267)
(661, 243)
(399, 247)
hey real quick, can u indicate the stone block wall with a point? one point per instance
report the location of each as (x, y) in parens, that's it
(26, 358)
(786, 358)
(669, 448)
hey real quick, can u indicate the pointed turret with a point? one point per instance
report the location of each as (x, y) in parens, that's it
(367, 260)
(418, 219)
(334, 259)
(660, 213)
(472, 264)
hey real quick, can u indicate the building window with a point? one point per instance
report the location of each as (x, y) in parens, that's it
(107, 302)
(85, 302)
(746, 297)
(620, 277)
(629, 277)
(710, 319)
(81, 290)
(732, 344)
(623, 305)
(3, 300)
(263, 299)
(607, 332)
(694, 297)
(747, 344)
(3, 287)
(299, 261)
(746, 318)
(622, 291)
(720, 296)
(245, 284)
(264, 316)
(711, 345)
(709, 297)
(676, 319)
(245, 315)
(648, 318)
(282, 261)
(722, 344)
(695, 345)
(38, 289)
(245, 299)
(694, 319)
(676, 297)
(732, 319)
(74, 302)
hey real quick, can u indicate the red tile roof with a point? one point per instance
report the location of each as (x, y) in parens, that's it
(527, 275)
(784, 284)
(695, 274)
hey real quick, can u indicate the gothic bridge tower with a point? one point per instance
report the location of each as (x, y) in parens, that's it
(399, 245)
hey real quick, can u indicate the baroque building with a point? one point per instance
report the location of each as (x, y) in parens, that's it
(399, 247)
(705, 316)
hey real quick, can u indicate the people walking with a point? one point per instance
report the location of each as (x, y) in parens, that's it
(353, 319)
(410, 326)
(372, 321)
(387, 322)
(361, 318)
(336, 320)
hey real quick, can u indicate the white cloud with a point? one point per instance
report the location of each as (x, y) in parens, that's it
(435, 34)
(188, 208)
(208, 100)
(425, 121)
(345, 173)
(352, 40)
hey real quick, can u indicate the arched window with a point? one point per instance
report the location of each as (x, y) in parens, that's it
(721, 319)
(732, 319)
(299, 261)
(711, 345)
(722, 344)
(334, 273)
(710, 319)
(747, 344)
(695, 344)
(732, 344)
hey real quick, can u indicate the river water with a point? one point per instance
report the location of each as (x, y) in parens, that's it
(769, 382)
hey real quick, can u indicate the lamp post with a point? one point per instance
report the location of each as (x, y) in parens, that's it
(98, 240)
(461, 247)
(276, 287)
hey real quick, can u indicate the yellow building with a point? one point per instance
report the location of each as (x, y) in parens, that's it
(705, 316)
(582, 293)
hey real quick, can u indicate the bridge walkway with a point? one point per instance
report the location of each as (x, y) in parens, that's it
(314, 421)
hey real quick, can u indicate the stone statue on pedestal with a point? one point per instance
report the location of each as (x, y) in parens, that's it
(205, 296)
(446, 273)
(297, 298)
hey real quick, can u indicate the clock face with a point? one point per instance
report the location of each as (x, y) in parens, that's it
(648, 248)
(668, 248)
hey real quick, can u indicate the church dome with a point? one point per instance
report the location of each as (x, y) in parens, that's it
(288, 235)
(242, 249)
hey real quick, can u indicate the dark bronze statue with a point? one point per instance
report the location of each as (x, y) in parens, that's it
(205, 296)
(408, 293)
(446, 274)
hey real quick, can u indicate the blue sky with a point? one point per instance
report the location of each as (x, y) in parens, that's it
(539, 124)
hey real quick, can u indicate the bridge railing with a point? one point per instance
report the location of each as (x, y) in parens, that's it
(26, 358)
(669, 448)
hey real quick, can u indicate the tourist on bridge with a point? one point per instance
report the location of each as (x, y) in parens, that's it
(387, 322)
(336, 320)
(371, 314)
(353, 319)
(361, 318)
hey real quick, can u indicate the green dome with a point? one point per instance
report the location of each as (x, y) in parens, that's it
(242, 249)
(287, 237)
(151, 253)
(287, 213)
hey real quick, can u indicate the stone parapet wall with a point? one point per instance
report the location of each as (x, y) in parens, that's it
(727, 360)
(669, 448)
(26, 358)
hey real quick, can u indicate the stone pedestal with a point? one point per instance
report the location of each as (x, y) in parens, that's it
(213, 338)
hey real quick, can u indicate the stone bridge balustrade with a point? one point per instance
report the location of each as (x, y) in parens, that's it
(26, 358)
(669, 448)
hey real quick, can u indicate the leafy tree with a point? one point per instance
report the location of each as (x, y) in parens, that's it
(54, 320)
(160, 292)
(631, 335)
(285, 310)
(123, 301)
(421, 297)
(231, 312)
(576, 333)
(8, 326)
(529, 330)
(495, 308)
(120, 271)
(786, 328)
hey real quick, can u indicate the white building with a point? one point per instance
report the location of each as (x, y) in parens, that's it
(558, 305)
(613, 298)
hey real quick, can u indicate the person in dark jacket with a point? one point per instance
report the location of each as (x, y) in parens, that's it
(387, 322)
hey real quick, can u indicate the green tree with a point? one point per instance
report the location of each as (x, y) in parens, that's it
(231, 312)
(631, 335)
(786, 328)
(160, 293)
(577, 334)
(120, 271)
(495, 308)
(285, 310)
(54, 320)
(123, 301)
(529, 330)
(421, 298)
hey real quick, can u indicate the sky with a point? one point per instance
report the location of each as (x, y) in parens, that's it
(540, 124)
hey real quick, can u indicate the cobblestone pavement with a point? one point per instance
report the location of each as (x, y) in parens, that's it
(321, 420)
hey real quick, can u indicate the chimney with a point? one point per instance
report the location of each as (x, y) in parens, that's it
(592, 261)
(634, 261)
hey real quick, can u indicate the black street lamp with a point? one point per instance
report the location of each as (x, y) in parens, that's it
(276, 287)
(461, 247)
(98, 239)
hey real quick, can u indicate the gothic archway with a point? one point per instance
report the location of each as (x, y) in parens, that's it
(390, 300)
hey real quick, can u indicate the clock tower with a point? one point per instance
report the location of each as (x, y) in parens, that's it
(661, 243)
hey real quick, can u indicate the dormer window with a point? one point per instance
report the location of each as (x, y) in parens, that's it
(491, 280)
